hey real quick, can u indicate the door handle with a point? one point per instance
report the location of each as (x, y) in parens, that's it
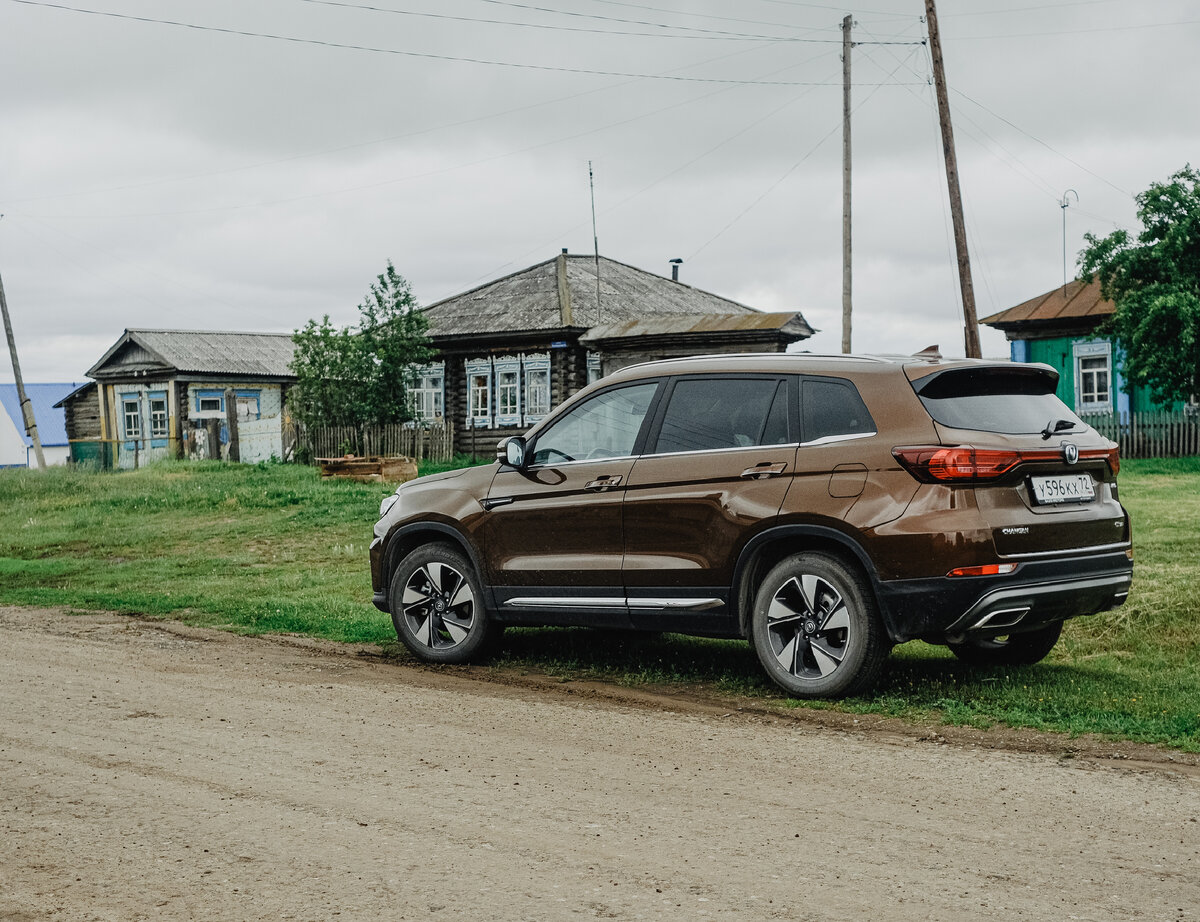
(602, 483)
(764, 470)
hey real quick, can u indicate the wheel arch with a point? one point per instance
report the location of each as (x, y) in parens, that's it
(771, 546)
(408, 538)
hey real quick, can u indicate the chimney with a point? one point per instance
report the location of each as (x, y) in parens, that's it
(675, 269)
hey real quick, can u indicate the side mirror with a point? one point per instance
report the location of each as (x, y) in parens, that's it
(511, 451)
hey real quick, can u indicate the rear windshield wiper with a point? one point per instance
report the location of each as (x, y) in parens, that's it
(1056, 426)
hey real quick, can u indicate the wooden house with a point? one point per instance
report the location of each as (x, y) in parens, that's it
(1060, 328)
(164, 393)
(512, 349)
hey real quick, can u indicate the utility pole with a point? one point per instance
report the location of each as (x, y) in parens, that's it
(595, 238)
(846, 263)
(26, 406)
(971, 321)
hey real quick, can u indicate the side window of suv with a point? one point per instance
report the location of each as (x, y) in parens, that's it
(832, 408)
(713, 413)
(606, 426)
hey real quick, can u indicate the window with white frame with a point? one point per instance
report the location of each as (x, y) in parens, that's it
(537, 386)
(158, 416)
(131, 410)
(594, 371)
(479, 392)
(210, 402)
(1093, 377)
(429, 393)
(508, 391)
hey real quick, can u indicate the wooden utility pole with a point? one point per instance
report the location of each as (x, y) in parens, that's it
(956, 212)
(846, 263)
(26, 406)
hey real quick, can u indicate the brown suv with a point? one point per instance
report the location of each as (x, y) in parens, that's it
(824, 508)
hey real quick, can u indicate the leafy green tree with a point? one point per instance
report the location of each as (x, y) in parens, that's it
(1154, 281)
(360, 376)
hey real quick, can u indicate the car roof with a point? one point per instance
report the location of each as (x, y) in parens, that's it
(915, 366)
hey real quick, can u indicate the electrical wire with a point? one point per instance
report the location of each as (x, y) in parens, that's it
(412, 54)
(710, 34)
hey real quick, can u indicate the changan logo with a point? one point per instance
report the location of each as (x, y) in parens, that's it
(1070, 452)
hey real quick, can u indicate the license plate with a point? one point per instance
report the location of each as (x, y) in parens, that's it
(1065, 488)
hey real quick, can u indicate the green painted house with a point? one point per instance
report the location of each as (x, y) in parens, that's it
(1059, 328)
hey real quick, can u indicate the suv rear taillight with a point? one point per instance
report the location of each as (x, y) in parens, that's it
(965, 464)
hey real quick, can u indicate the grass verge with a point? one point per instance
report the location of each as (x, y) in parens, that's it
(273, 548)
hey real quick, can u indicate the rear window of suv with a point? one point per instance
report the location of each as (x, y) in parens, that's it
(1012, 401)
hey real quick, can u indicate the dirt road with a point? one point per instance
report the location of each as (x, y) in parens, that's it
(159, 772)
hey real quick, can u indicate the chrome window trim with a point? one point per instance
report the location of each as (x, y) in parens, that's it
(717, 451)
(551, 464)
(848, 437)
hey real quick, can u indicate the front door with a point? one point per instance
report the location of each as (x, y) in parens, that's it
(554, 535)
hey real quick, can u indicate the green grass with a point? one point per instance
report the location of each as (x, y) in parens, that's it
(273, 548)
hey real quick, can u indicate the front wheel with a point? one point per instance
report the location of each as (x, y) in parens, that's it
(816, 628)
(1022, 649)
(437, 606)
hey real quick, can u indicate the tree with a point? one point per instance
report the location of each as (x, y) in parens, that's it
(360, 376)
(1154, 281)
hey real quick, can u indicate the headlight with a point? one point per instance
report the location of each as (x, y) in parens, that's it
(388, 503)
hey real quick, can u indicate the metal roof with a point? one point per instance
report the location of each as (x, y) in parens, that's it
(221, 352)
(51, 421)
(532, 299)
(1068, 304)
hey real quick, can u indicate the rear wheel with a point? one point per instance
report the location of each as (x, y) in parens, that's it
(816, 628)
(437, 606)
(1022, 649)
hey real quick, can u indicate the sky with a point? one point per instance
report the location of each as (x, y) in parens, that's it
(253, 164)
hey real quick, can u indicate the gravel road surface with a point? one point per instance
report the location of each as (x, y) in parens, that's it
(153, 771)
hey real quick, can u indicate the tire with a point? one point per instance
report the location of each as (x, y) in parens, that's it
(816, 628)
(1022, 649)
(437, 606)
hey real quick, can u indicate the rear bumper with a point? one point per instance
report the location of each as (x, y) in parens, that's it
(1037, 593)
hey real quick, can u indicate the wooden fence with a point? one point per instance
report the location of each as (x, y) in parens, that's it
(435, 443)
(1150, 435)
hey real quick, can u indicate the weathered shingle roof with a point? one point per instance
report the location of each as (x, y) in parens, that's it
(788, 325)
(1071, 304)
(200, 352)
(533, 299)
(51, 422)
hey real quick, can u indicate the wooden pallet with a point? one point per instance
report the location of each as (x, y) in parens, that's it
(367, 470)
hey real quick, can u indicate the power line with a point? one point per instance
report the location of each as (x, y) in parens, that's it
(996, 115)
(414, 54)
(710, 34)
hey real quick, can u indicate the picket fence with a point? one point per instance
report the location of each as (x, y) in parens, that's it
(1150, 435)
(433, 443)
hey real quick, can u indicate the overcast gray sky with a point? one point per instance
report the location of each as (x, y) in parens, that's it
(252, 164)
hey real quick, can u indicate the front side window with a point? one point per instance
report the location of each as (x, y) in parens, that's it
(158, 416)
(708, 414)
(210, 402)
(132, 412)
(606, 426)
(247, 408)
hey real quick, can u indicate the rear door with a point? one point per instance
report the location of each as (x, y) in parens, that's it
(714, 473)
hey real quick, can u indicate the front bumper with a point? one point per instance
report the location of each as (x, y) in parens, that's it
(1036, 594)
